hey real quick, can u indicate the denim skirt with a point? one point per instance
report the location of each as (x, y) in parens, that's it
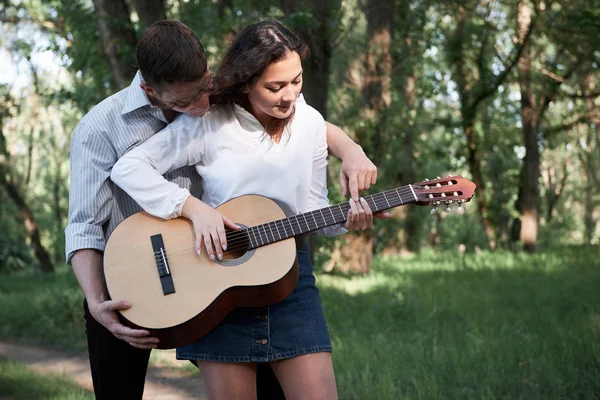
(293, 327)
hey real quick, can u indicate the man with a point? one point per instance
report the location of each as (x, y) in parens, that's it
(173, 78)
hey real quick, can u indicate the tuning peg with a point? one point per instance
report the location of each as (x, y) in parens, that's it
(448, 209)
(433, 210)
(439, 177)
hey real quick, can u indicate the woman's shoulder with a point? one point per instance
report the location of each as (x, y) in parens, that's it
(308, 113)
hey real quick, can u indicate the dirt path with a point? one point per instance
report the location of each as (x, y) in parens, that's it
(163, 382)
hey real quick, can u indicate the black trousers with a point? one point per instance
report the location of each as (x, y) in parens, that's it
(119, 370)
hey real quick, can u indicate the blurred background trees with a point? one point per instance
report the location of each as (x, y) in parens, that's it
(505, 93)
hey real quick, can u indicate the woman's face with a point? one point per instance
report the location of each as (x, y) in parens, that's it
(274, 93)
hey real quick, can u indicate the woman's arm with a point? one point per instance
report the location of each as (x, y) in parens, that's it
(140, 171)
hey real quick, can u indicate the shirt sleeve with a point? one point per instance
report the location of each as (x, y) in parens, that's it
(90, 195)
(318, 190)
(140, 171)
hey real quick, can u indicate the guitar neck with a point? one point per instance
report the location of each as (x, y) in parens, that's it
(274, 231)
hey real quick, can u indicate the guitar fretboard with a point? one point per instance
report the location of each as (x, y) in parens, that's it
(274, 231)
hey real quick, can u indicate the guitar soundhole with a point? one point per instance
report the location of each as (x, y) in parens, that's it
(238, 250)
(235, 253)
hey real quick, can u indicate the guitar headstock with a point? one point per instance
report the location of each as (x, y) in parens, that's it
(444, 191)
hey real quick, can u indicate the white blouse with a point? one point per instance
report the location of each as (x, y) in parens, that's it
(231, 151)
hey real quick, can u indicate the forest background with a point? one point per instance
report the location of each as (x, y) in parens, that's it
(504, 93)
(498, 301)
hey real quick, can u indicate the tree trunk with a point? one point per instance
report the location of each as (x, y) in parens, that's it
(473, 90)
(150, 11)
(376, 91)
(317, 36)
(33, 232)
(529, 195)
(356, 253)
(118, 39)
(10, 186)
(407, 176)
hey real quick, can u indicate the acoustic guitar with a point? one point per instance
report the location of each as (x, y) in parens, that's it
(179, 296)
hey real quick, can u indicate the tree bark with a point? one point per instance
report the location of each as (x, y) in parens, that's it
(376, 91)
(12, 190)
(118, 39)
(529, 194)
(317, 36)
(33, 232)
(150, 11)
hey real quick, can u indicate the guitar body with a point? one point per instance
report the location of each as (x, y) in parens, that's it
(205, 291)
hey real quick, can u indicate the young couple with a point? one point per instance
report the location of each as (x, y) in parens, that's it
(258, 138)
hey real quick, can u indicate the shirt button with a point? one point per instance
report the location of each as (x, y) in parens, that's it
(263, 317)
(262, 341)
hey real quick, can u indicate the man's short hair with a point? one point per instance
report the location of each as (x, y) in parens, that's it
(169, 52)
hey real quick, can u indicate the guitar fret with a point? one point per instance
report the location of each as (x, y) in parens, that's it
(306, 222)
(257, 232)
(331, 211)
(374, 203)
(252, 245)
(399, 196)
(277, 229)
(323, 216)
(386, 200)
(266, 232)
(313, 216)
(254, 234)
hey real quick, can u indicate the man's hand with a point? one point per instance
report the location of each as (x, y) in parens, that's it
(359, 173)
(106, 314)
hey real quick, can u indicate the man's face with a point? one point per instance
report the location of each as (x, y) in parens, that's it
(189, 97)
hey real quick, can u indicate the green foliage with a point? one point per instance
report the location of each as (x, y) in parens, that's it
(429, 41)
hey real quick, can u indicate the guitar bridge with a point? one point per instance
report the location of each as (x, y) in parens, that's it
(162, 264)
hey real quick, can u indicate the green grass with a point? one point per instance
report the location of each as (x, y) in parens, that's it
(40, 309)
(19, 383)
(488, 326)
(483, 326)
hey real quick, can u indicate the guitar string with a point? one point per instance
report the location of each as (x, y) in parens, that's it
(244, 234)
(240, 239)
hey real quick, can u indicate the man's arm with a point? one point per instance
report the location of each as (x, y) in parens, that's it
(357, 172)
(90, 202)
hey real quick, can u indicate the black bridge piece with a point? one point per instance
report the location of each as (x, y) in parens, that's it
(162, 264)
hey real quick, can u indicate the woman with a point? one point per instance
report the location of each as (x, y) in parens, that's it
(255, 140)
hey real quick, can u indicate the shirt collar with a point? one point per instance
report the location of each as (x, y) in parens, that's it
(135, 96)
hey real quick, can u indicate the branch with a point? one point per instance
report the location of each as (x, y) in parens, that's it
(552, 92)
(568, 126)
(507, 68)
(582, 96)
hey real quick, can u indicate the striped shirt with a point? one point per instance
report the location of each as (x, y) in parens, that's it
(109, 130)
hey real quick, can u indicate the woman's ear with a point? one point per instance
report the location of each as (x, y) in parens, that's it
(245, 89)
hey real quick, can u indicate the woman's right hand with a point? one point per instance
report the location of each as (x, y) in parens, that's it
(209, 227)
